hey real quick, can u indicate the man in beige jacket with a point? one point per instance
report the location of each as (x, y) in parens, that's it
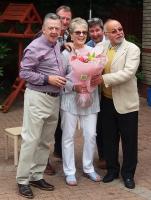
(120, 104)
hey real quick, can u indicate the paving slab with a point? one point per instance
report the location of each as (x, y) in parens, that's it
(86, 189)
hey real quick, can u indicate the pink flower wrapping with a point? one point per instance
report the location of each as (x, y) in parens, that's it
(84, 67)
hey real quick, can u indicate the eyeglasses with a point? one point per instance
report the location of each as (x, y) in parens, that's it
(78, 33)
(50, 28)
(115, 31)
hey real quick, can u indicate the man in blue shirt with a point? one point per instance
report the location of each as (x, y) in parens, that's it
(97, 36)
(95, 31)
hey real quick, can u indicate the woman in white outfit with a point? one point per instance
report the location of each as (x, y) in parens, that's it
(71, 112)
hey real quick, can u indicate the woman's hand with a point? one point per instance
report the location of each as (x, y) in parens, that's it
(69, 46)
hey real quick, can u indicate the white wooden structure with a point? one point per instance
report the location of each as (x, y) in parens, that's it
(15, 134)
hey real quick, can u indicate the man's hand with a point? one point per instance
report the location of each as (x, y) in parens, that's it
(58, 81)
(96, 80)
(69, 46)
(80, 88)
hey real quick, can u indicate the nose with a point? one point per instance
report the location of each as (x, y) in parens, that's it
(81, 34)
(95, 33)
(119, 31)
(53, 30)
(64, 21)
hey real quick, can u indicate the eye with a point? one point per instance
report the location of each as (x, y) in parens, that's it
(81, 32)
(113, 32)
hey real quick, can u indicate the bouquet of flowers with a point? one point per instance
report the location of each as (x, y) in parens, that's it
(85, 65)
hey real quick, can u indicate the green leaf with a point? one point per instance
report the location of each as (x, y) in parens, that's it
(93, 55)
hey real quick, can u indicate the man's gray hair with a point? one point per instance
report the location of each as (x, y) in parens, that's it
(51, 16)
(95, 21)
(63, 7)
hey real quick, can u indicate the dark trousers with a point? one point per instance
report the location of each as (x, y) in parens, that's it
(113, 126)
(58, 139)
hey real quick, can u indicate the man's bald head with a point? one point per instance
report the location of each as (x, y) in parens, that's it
(114, 31)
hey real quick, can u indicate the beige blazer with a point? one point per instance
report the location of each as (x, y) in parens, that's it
(122, 77)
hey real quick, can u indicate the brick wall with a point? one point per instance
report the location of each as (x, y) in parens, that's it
(146, 41)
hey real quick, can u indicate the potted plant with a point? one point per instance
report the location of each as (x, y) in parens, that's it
(3, 54)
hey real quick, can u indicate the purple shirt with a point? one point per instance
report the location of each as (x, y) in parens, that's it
(41, 59)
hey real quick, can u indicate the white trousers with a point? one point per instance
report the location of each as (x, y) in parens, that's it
(88, 125)
(39, 124)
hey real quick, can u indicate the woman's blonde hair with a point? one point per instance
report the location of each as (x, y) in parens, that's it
(77, 21)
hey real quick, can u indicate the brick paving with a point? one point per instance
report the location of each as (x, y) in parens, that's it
(86, 189)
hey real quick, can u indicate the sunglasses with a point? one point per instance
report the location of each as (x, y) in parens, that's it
(78, 33)
(115, 31)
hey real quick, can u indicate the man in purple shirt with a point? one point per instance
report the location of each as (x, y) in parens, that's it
(41, 68)
(65, 14)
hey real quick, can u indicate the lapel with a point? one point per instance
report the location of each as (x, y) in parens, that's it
(106, 46)
(120, 51)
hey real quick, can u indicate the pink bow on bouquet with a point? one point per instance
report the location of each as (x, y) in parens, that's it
(84, 66)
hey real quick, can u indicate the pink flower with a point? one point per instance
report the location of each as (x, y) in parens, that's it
(83, 68)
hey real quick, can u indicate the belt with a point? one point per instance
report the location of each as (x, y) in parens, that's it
(52, 94)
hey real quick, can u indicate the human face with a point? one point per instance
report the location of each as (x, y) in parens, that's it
(52, 29)
(65, 17)
(79, 36)
(114, 32)
(96, 33)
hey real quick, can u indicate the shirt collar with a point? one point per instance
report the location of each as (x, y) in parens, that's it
(116, 46)
(64, 37)
(46, 41)
(93, 43)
